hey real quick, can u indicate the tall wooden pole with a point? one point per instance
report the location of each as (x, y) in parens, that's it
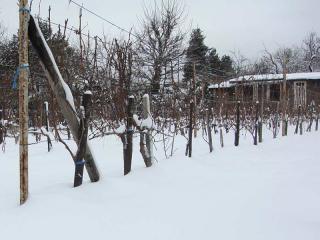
(23, 97)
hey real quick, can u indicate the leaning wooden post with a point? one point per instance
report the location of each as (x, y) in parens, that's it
(61, 91)
(24, 14)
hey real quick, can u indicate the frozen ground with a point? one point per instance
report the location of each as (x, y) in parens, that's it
(269, 192)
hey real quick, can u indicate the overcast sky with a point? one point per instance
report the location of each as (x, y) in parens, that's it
(244, 25)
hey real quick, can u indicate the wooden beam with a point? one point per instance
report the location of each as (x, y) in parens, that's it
(59, 89)
(23, 97)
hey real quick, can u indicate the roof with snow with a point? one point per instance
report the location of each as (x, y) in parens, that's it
(267, 78)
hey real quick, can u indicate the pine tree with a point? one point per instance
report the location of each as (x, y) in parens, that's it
(196, 54)
(214, 62)
(226, 65)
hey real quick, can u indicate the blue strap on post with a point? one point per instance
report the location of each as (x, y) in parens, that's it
(14, 84)
(25, 65)
(80, 162)
(16, 75)
(24, 9)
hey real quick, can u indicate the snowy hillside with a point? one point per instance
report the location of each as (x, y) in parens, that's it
(270, 191)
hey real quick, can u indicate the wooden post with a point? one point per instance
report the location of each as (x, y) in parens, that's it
(46, 108)
(221, 138)
(2, 130)
(261, 113)
(237, 133)
(209, 129)
(83, 133)
(275, 126)
(190, 128)
(146, 138)
(61, 92)
(256, 124)
(301, 126)
(317, 121)
(127, 150)
(23, 97)
(284, 104)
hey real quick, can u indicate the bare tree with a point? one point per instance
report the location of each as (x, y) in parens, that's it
(160, 40)
(284, 58)
(241, 64)
(2, 31)
(311, 47)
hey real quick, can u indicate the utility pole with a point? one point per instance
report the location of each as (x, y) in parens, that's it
(23, 97)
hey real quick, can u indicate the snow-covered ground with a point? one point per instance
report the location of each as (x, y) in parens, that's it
(270, 191)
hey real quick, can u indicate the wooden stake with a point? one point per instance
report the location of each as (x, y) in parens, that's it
(23, 97)
(148, 136)
(46, 116)
(208, 113)
(256, 124)
(237, 133)
(284, 103)
(127, 141)
(189, 148)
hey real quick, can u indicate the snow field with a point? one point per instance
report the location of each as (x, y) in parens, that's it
(269, 191)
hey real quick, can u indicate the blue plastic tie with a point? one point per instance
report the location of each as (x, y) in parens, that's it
(24, 9)
(14, 80)
(80, 162)
(16, 75)
(25, 65)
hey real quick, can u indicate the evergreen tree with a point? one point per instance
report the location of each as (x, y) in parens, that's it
(226, 65)
(214, 62)
(196, 54)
